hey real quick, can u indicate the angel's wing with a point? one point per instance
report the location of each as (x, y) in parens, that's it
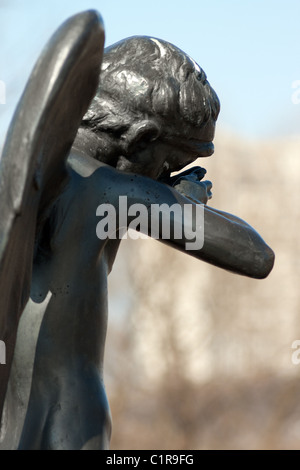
(33, 170)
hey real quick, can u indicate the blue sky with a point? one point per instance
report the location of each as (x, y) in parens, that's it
(250, 50)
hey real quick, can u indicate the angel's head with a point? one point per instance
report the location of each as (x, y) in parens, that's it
(154, 111)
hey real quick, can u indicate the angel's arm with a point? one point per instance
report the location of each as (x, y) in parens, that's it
(229, 242)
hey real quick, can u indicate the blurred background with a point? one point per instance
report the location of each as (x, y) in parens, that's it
(196, 357)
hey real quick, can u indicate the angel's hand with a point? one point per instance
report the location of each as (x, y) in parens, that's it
(197, 191)
(189, 184)
(196, 173)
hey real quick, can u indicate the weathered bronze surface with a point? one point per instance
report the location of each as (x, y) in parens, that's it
(67, 153)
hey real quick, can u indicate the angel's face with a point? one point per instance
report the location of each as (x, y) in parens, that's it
(171, 151)
(161, 159)
(186, 145)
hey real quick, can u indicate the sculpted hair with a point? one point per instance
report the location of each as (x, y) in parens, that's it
(143, 77)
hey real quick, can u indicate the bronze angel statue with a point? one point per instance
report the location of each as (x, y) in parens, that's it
(94, 125)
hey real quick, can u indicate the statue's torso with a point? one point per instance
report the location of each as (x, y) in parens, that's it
(61, 337)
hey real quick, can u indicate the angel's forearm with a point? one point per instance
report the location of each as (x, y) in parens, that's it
(229, 242)
(229, 216)
(233, 244)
